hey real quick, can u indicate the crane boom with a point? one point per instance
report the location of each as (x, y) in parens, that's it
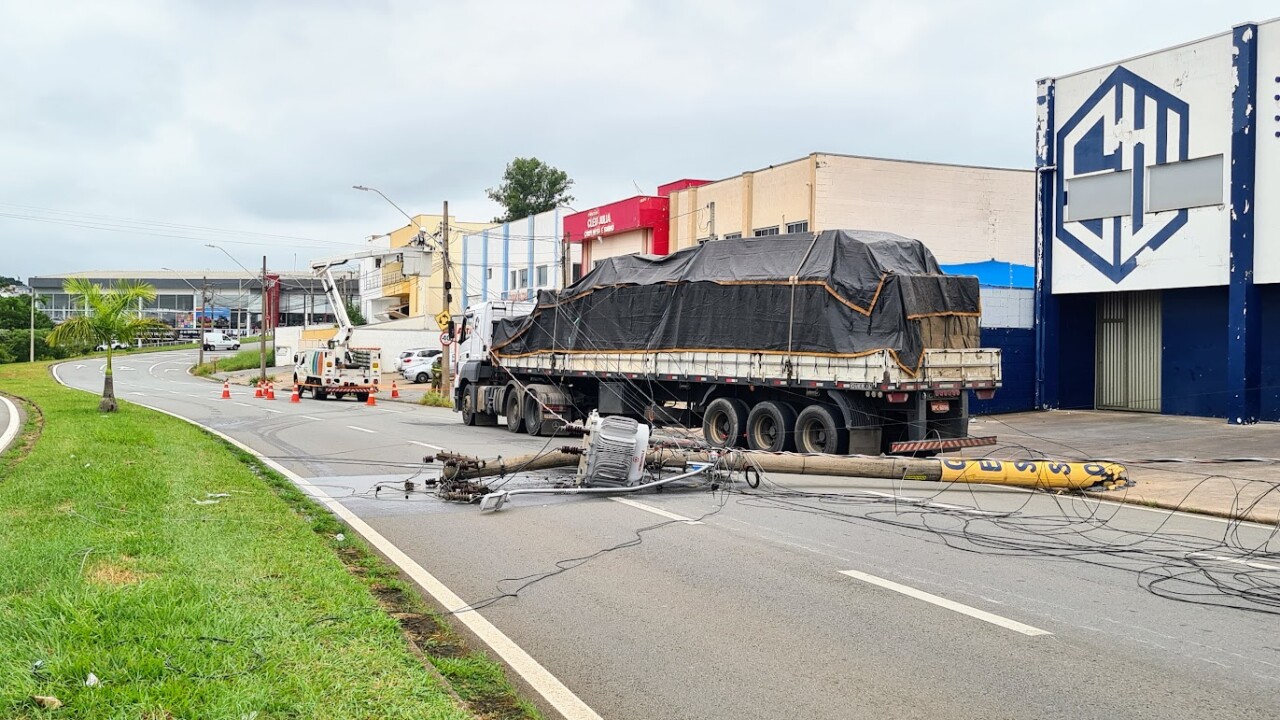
(323, 269)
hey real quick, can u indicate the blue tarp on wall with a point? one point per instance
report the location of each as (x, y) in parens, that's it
(993, 273)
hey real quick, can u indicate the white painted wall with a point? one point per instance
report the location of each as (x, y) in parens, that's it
(963, 214)
(541, 234)
(1200, 74)
(1266, 259)
(1008, 307)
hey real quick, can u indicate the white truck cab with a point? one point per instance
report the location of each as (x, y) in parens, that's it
(219, 340)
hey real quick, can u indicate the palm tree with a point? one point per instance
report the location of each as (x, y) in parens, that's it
(110, 315)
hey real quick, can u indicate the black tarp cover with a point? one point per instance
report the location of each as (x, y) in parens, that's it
(835, 293)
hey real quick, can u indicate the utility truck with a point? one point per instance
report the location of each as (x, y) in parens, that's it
(337, 370)
(833, 342)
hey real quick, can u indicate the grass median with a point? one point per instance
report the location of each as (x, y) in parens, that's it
(243, 360)
(191, 581)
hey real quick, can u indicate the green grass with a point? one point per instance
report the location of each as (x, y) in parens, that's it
(435, 399)
(250, 607)
(243, 360)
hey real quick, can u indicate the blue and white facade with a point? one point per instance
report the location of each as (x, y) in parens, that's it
(1158, 231)
(1007, 323)
(514, 260)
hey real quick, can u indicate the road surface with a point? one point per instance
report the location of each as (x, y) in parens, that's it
(875, 601)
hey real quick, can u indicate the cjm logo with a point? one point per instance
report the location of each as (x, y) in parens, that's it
(1127, 124)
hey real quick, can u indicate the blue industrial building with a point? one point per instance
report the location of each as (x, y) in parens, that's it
(1158, 231)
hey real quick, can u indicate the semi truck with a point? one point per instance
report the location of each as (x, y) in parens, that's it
(834, 342)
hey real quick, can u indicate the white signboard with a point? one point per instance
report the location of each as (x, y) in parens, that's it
(1131, 211)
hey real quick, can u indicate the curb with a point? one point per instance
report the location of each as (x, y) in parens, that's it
(10, 432)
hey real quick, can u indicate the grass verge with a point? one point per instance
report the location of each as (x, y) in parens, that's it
(119, 562)
(243, 360)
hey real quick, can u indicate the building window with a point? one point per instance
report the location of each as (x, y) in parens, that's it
(377, 262)
(732, 236)
(524, 278)
(514, 277)
(575, 271)
(761, 232)
(798, 227)
(488, 273)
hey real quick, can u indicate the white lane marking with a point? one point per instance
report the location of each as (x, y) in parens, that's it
(427, 445)
(243, 404)
(656, 510)
(354, 427)
(961, 608)
(11, 426)
(1223, 558)
(538, 677)
(138, 393)
(278, 412)
(312, 417)
(174, 392)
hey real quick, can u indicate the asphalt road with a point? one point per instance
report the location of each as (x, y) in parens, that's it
(873, 601)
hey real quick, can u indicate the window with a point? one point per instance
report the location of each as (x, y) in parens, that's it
(798, 227)
(762, 232)
(488, 273)
(524, 278)
(542, 276)
(514, 276)
(576, 270)
(732, 236)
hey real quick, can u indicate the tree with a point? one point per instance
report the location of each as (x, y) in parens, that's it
(110, 315)
(354, 315)
(530, 186)
(15, 314)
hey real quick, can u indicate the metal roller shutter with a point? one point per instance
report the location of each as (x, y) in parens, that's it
(1128, 352)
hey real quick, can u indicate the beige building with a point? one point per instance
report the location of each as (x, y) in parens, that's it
(962, 213)
(423, 295)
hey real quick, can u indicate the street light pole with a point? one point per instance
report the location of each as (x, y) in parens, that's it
(33, 322)
(262, 338)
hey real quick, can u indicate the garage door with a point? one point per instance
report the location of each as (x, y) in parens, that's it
(1128, 352)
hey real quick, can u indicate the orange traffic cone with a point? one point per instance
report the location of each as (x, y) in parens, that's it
(226, 389)
(372, 401)
(257, 391)
(297, 394)
(395, 391)
(271, 391)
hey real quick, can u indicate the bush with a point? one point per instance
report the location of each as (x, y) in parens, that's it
(435, 399)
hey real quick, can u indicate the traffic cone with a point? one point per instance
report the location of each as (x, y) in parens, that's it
(257, 391)
(395, 391)
(226, 389)
(372, 401)
(297, 394)
(271, 391)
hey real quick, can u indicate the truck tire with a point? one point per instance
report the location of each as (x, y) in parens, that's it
(319, 394)
(818, 431)
(771, 427)
(362, 397)
(724, 423)
(515, 412)
(468, 407)
(533, 422)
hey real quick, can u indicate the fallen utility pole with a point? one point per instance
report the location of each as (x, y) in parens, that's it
(1043, 474)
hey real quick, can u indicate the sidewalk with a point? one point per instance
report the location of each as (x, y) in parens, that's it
(1198, 464)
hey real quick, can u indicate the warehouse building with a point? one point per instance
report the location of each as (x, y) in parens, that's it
(227, 300)
(1158, 231)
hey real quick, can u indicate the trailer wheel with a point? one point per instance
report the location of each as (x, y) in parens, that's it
(362, 397)
(771, 427)
(515, 413)
(319, 394)
(817, 431)
(533, 416)
(724, 422)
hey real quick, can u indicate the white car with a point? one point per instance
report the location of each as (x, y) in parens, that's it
(418, 369)
(414, 355)
(115, 345)
(220, 341)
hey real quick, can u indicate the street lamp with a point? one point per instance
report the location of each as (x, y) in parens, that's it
(422, 232)
(262, 337)
(204, 299)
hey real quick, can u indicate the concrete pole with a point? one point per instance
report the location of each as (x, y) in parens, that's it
(262, 335)
(446, 351)
(32, 338)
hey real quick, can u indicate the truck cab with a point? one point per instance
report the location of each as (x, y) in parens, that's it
(475, 335)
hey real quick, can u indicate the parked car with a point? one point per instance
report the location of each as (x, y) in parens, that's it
(420, 369)
(414, 355)
(115, 345)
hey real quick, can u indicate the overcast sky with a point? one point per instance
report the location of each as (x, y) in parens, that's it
(258, 117)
